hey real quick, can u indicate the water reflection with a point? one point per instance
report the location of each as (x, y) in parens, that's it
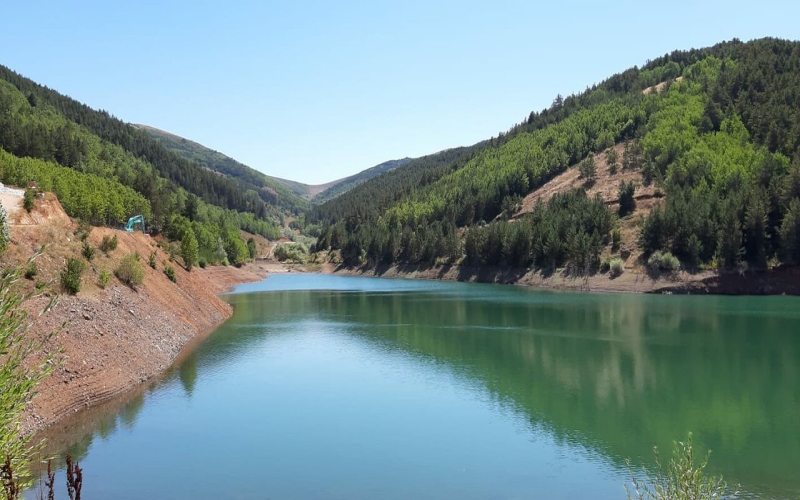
(613, 374)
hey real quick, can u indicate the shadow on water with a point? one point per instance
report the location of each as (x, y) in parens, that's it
(614, 374)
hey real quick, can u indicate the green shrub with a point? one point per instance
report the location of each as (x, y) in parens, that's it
(88, 251)
(617, 267)
(170, 272)
(31, 271)
(203, 263)
(681, 479)
(152, 260)
(108, 244)
(130, 271)
(71, 276)
(290, 252)
(103, 278)
(29, 200)
(605, 265)
(83, 230)
(251, 247)
(663, 261)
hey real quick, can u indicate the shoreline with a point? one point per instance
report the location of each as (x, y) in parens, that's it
(782, 281)
(110, 347)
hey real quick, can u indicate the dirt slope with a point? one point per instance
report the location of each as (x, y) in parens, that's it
(114, 338)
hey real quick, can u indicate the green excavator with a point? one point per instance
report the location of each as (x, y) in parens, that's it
(136, 219)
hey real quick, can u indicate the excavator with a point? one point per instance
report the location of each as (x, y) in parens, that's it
(136, 219)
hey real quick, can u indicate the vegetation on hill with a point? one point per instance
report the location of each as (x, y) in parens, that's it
(720, 135)
(274, 191)
(105, 171)
(344, 185)
(55, 127)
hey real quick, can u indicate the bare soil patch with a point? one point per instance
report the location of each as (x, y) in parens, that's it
(118, 337)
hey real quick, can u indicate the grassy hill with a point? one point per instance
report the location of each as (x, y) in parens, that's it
(706, 142)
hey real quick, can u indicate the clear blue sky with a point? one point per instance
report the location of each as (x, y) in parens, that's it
(314, 91)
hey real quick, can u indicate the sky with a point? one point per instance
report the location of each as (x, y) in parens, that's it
(316, 91)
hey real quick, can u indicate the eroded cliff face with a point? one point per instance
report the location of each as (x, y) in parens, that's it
(109, 340)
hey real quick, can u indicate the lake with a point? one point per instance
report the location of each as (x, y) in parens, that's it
(362, 388)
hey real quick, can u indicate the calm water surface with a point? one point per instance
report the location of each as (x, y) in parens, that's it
(360, 388)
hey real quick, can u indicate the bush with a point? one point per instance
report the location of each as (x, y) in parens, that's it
(290, 252)
(31, 271)
(130, 271)
(103, 278)
(203, 263)
(83, 230)
(170, 272)
(681, 479)
(617, 267)
(71, 276)
(29, 200)
(152, 260)
(665, 261)
(109, 244)
(88, 251)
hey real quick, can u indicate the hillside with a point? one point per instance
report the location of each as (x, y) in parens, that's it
(105, 171)
(701, 146)
(115, 336)
(288, 197)
(341, 186)
(292, 195)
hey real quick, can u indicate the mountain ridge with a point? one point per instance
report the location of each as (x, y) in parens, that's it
(226, 165)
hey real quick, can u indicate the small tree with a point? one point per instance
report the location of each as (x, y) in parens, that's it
(170, 272)
(588, 169)
(627, 202)
(189, 250)
(108, 244)
(612, 160)
(29, 200)
(130, 271)
(71, 276)
(251, 247)
(87, 251)
(103, 278)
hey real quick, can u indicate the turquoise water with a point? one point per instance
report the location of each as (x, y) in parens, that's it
(340, 387)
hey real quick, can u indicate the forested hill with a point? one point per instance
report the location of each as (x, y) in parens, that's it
(342, 186)
(55, 127)
(228, 167)
(712, 135)
(292, 194)
(105, 171)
